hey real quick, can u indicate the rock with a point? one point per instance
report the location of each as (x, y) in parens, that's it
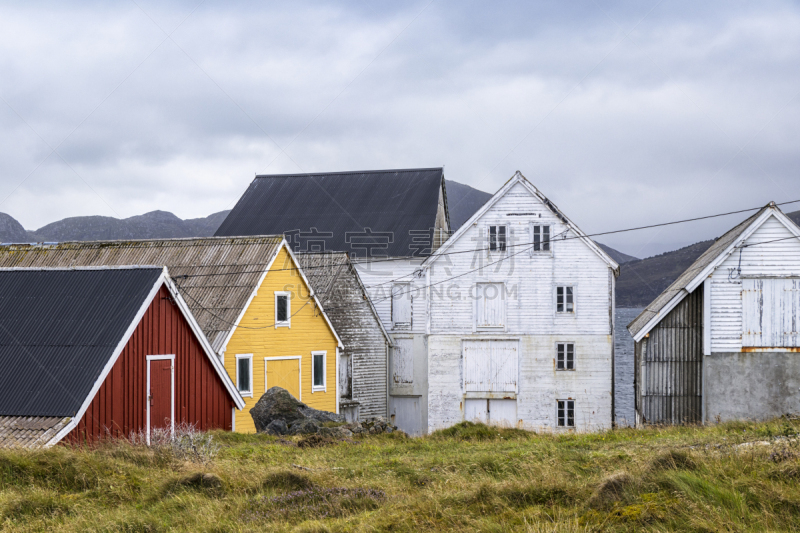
(277, 427)
(338, 432)
(278, 404)
(305, 426)
(389, 430)
(321, 416)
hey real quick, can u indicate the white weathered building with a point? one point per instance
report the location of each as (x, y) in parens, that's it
(721, 342)
(520, 319)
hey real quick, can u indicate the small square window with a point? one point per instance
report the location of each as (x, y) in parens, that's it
(318, 371)
(565, 356)
(541, 238)
(244, 374)
(497, 238)
(565, 301)
(283, 312)
(566, 413)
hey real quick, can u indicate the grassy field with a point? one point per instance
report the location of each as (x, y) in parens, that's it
(467, 478)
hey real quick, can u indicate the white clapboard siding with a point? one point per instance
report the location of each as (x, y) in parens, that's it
(529, 279)
(769, 253)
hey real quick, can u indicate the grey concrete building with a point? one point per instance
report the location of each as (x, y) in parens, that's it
(722, 342)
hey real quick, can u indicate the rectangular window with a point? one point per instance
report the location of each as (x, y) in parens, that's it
(318, 371)
(566, 413)
(283, 309)
(497, 238)
(565, 356)
(490, 305)
(401, 305)
(565, 302)
(244, 374)
(541, 238)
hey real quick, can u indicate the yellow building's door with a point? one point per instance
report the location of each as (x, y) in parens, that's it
(284, 373)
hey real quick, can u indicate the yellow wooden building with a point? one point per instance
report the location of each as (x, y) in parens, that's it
(249, 297)
(283, 338)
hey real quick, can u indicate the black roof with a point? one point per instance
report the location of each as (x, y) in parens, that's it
(58, 329)
(367, 213)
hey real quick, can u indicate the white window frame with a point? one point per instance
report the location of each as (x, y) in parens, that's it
(567, 402)
(507, 233)
(324, 386)
(248, 356)
(549, 241)
(574, 302)
(479, 291)
(288, 322)
(566, 344)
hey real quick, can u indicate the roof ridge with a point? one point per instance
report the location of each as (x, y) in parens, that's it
(243, 238)
(95, 267)
(344, 172)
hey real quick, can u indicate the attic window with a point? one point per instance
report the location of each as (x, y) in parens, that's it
(565, 356)
(497, 238)
(283, 314)
(565, 300)
(541, 238)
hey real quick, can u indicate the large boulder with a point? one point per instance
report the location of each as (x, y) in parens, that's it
(278, 404)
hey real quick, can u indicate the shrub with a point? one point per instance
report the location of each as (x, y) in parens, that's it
(187, 443)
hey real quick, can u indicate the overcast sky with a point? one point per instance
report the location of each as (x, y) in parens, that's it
(622, 113)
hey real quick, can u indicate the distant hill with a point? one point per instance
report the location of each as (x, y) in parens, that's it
(153, 225)
(616, 255)
(462, 202)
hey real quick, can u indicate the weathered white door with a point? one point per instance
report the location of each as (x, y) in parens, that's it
(403, 361)
(406, 414)
(494, 412)
(490, 366)
(770, 313)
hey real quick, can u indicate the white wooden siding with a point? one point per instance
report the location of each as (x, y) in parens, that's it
(776, 256)
(770, 312)
(491, 366)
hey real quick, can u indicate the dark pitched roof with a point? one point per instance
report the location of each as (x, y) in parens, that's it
(58, 329)
(377, 210)
(223, 273)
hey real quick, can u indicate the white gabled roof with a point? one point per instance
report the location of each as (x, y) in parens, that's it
(522, 180)
(703, 266)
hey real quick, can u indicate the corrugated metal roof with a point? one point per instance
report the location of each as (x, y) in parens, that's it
(29, 431)
(223, 271)
(58, 329)
(337, 209)
(683, 281)
(326, 273)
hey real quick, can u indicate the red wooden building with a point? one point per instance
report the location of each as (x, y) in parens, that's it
(94, 352)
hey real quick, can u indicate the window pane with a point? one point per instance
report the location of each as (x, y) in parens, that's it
(545, 238)
(570, 307)
(244, 375)
(560, 362)
(560, 413)
(570, 357)
(283, 309)
(560, 299)
(501, 237)
(537, 238)
(570, 413)
(319, 370)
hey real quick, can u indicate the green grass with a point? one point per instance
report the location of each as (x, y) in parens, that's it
(466, 478)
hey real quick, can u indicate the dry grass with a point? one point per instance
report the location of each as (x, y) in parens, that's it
(467, 478)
